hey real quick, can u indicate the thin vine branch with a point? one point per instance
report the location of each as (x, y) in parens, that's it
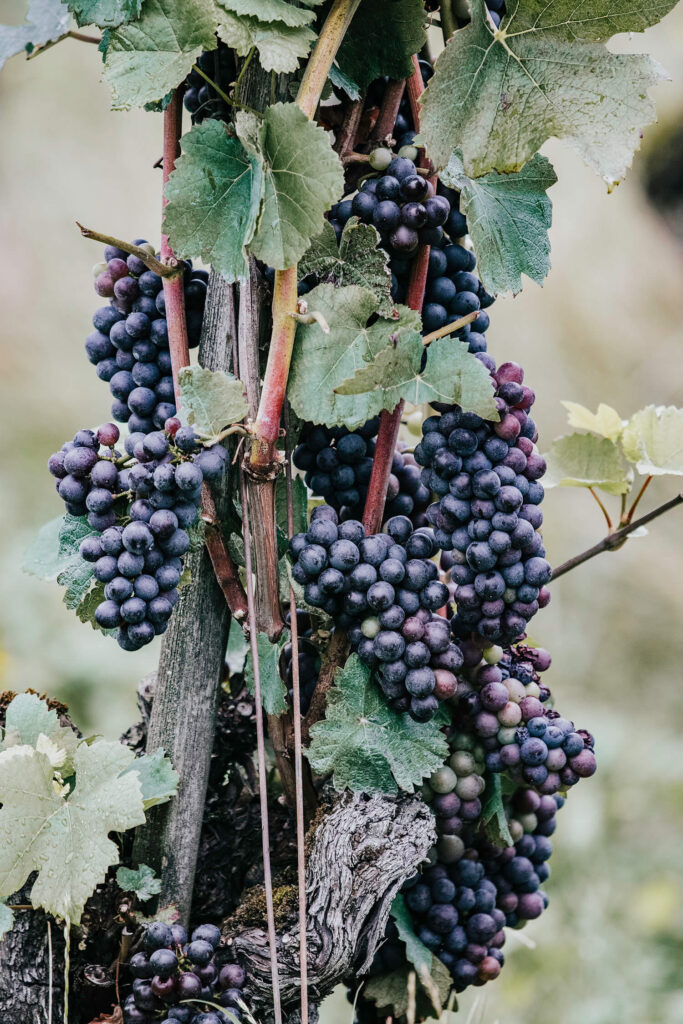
(615, 540)
(151, 262)
(602, 507)
(224, 96)
(450, 328)
(639, 495)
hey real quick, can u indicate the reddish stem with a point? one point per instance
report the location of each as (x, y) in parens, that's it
(174, 292)
(391, 101)
(267, 426)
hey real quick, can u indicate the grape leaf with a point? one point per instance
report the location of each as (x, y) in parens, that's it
(158, 778)
(419, 955)
(341, 81)
(271, 10)
(500, 94)
(493, 818)
(104, 13)
(56, 546)
(390, 991)
(6, 919)
(238, 647)
(28, 718)
(46, 21)
(214, 195)
(273, 690)
(142, 882)
(76, 580)
(150, 56)
(606, 421)
(322, 362)
(584, 460)
(366, 745)
(452, 374)
(87, 607)
(382, 39)
(303, 177)
(280, 47)
(508, 217)
(64, 835)
(653, 440)
(356, 260)
(211, 399)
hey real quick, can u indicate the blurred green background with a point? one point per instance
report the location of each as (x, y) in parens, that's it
(605, 327)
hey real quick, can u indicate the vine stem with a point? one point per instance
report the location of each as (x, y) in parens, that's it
(151, 262)
(318, 68)
(615, 539)
(448, 23)
(391, 101)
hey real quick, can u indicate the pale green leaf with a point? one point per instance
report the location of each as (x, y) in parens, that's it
(46, 21)
(64, 836)
(606, 421)
(6, 919)
(493, 818)
(584, 460)
(426, 965)
(390, 991)
(280, 47)
(341, 81)
(382, 39)
(56, 546)
(322, 362)
(158, 778)
(238, 647)
(104, 13)
(303, 177)
(452, 374)
(214, 195)
(143, 882)
(76, 580)
(271, 10)
(30, 722)
(149, 57)
(273, 690)
(653, 440)
(211, 399)
(498, 95)
(85, 611)
(508, 217)
(356, 260)
(367, 745)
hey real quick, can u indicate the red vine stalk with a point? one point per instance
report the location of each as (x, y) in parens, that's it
(391, 101)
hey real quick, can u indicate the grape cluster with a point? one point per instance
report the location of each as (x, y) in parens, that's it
(385, 590)
(179, 981)
(199, 98)
(129, 345)
(141, 506)
(507, 710)
(337, 464)
(309, 663)
(486, 476)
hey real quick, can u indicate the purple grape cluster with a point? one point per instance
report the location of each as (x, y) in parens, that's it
(129, 346)
(199, 98)
(486, 477)
(337, 464)
(385, 590)
(506, 707)
(309, 663)
(176, 981)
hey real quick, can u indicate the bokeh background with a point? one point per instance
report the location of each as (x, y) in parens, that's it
(606, 326)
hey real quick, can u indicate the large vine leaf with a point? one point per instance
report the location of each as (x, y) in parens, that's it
(280, 47)
(355, 260)
(27, 719)
(214, 196)
(302, 178)
(367, 745)
(56, 546)
(584, 460)
(211, 399)
(149, 57)
(508, 217)
(273, 690)
(158, 778)
(499, 94)
(653, 440)
(64, 835)
(451, 374)
(271, 10)
(46, 21)
(606, 421)
(322, 362)
(382, 39)
(105, 13)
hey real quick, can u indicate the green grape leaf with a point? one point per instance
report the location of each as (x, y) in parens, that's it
(76, 580)
(452, 374)
(149, 57)
(367, 745)
(341, 81)
(271, 10)
(499, 94)
(584, 460)
(508, 217)
(280, 47)
(273, 690)
(211, 400)
(46, 21)
(606, 421)
(493, 818)
(87, 607)
(653, 440)
(420, 956)
(30, 722)
(238, 647)
(56, 547)
(303, 177)
(214, 196)
(382, 39)
(104, 13)
(356, 260)
(6, 919)
(322, 362)
(61, 832)
(143, 882)
(158, 778)
(390, 991)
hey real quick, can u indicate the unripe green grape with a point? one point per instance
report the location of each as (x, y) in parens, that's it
(414, 422)
(528, 822)
(409, 152)
(380, 158)
(99, 268)
(510, 715)
(516, 830)
(462, 763)
(370, 627)
(516, 690)
(532, 689)
(510, 596)
(443, 780)
(450, 849)
(505, 736)
(469, 787)
(492, 655)
(463, 741)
